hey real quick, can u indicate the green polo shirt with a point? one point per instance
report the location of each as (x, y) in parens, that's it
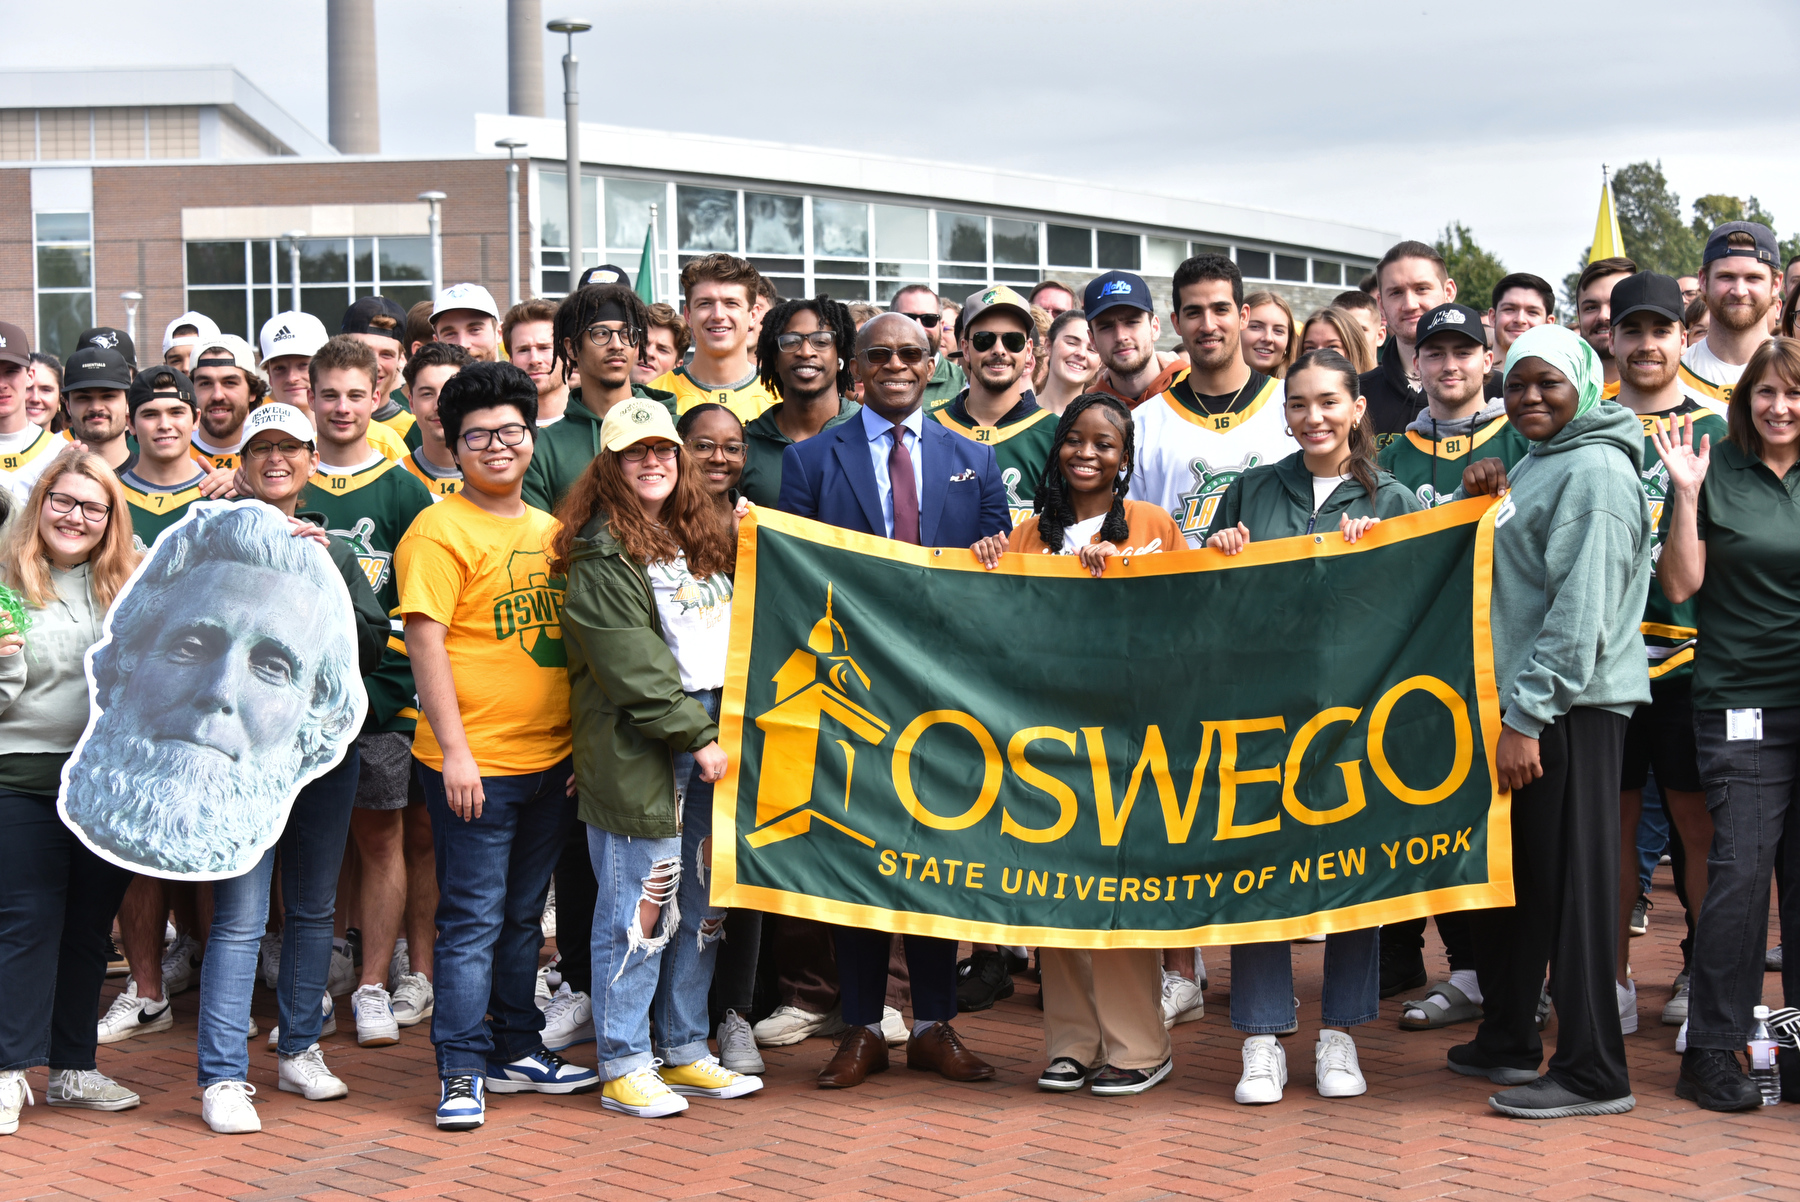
(947, 380)
(1749, 639)
(765, 444)
(1669, 631)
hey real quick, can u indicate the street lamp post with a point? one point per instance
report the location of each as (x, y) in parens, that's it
(435, 199)
(512, 217)
(132, 301)
(293, 240)
(572, 129)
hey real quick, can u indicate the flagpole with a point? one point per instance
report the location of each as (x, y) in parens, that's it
(655, 258)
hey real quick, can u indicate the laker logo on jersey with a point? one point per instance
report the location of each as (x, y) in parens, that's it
(376, 565)
(1194, 512)
(1018, 509)
(1430, 498)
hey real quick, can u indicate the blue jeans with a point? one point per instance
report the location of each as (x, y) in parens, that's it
(1652, 833)
(656, 985)
(493, 874)
(1262, 982)
(311, 849)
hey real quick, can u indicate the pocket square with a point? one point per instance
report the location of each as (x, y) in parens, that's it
(967, 473)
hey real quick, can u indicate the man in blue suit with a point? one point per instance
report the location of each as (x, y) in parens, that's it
(890, 473)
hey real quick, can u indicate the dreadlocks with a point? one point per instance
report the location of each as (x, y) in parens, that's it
(583, 307)
(832, 316)
(1055, 513)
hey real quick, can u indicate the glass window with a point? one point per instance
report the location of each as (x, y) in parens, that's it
(553, 210)
(1118, 252)
(262, 262)
(322, 261)
(61, 318)
(227, 306)
(841, 229)
(885, 289)
(1015, 241)
(215, 263)
(1253, 264)
(706, 219)
(362, 264)
(63, 227)
(403, 259)
(773, 224)
(1290, 267)
(962, 237)
(1071, 246)
(65, 267)
(1208, 248)
(1162, 255)
(1327, 273)
(628, 204)
(900, 233)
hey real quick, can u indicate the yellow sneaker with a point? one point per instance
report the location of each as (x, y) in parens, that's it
(642, 1093)
(707, 1078)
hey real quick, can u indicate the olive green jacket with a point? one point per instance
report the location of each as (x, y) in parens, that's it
(1276, 501)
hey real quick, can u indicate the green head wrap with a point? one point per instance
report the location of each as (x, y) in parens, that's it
(1566, 351)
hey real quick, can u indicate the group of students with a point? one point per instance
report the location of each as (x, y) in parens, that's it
(563, 464)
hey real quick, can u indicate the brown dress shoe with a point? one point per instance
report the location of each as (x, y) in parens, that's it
(861, 1054)
(940, 1050)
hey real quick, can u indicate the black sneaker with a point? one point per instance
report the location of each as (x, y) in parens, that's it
(1716, 1079)
(1545, 1099)
(1064, 1074)
(983, 980)
(1471, 1061)
(1640, 915)
(1402, 968)
(1117, 1082)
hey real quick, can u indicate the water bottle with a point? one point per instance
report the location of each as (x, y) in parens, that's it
(1762, 1058)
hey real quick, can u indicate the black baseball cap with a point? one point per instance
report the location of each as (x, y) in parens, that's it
(1765, 251)
(606, 273)
(1659, 294)
(159, 380)
(357, 318)
(107, 338)
(96, 367)
(15, 348)
(1451, 318)
(1115, 288)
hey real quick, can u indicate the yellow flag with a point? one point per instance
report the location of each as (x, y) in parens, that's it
(1608, 242)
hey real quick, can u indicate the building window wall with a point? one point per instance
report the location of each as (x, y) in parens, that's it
(165, 132)
(241, 284)
(65, 278)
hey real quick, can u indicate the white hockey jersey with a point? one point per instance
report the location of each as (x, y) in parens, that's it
(1187, 458)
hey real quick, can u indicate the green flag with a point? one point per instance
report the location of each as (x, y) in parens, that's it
(1191, 749)
(646, 276)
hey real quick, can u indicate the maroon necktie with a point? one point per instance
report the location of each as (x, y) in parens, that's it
(906, 492)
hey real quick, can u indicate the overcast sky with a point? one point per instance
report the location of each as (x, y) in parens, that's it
(1393, 115)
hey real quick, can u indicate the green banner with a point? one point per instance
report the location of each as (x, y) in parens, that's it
(1193, 748)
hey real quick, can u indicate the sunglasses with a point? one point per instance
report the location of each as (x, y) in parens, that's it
(878, 356)
(983, 341)
(928, 320)
(820, 339)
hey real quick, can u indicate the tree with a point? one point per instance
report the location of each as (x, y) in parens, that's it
(1475, 269)
(1656, 238)
(1716, 209)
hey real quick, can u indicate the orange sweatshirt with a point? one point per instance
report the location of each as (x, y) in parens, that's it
(1150, 528)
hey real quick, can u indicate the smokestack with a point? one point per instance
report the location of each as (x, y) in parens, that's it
(525, 58)
(353, 99)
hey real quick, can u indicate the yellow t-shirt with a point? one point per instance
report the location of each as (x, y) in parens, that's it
(488, 579)
(747, 398)
(382, 438)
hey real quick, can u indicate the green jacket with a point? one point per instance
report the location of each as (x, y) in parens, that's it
(947, 379)
(628, 710)
(563, 451)
(1276, 501)
(765, 444)
(371, 619)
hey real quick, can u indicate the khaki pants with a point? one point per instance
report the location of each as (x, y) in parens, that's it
(1104, 1006)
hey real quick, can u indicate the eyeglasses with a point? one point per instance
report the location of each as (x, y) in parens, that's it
(638, 450)
(289, 447)
(510, 435)
(878, 356)
(928, 320)
(599, 335)
(62, 502)
(822, 340)
(983, 340)
(705, 447)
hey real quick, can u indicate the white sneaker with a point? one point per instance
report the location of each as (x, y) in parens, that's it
(87, 1089)
(342, 977)
(1335, 1068)
(568, 1019)
(1181, 999)
(228, 1110)
(737, 1045)
(547, 923)
(544, 992)
(1265, 1071)
(270, 957)
(893, 1027)
(413, 999)
(180, 966)
(1681, 1037)
(399, 964)
(375, 1023)
(15, 1095)
(307, 1075)
(1675, 1010)
(131, 1015)
(329, 1027)
(789, 1025)
(1627, 1007)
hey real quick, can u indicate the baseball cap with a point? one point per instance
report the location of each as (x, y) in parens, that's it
(158, 380)
(1115, 288)
(15, 348)
(206, 326)
(1659, 294)
(634, 421)
(997, 297)
(278, 418)
(96, 367)
(356, 318)
(237, 353)
(606, 273)
(292, 333)
(465, 296)
(110, 339)
(1765, 251)
(1451, 318)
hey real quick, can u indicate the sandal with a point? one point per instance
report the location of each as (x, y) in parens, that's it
(1444, 1005)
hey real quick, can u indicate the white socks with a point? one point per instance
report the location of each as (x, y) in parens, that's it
(1465, 980)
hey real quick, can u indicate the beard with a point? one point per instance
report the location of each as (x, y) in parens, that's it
(174, 808)
(1738, 318)
(1131, 363)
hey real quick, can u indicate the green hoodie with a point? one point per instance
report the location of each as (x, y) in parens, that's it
(1571, 571)
(564, 450)
(1276, 501)
(629, 712)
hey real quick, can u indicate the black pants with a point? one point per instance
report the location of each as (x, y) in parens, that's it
(576, 893)
(1565, 832)
(57, 901)
(862, 964)
(1453, 929)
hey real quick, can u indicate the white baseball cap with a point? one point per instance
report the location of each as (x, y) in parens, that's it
(207, 326)
(234, 348)
(284, 419)
(292, 333)
(465, 296)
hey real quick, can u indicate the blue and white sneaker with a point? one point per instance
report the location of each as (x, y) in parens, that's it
(463, 1106)
(541, 1072)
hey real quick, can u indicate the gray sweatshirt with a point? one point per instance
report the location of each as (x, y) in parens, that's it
(44, 689)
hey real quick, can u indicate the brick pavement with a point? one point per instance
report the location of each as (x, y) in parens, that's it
(1420, 1132)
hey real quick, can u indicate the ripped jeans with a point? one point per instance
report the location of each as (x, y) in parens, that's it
(654, 988)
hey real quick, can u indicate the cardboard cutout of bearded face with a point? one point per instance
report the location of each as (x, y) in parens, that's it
(225, 681)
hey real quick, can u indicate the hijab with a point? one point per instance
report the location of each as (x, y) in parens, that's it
(1566, 351)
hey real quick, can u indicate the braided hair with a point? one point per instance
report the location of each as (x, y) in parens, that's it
(1055, 513)
(580, 309)
(832, 316)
